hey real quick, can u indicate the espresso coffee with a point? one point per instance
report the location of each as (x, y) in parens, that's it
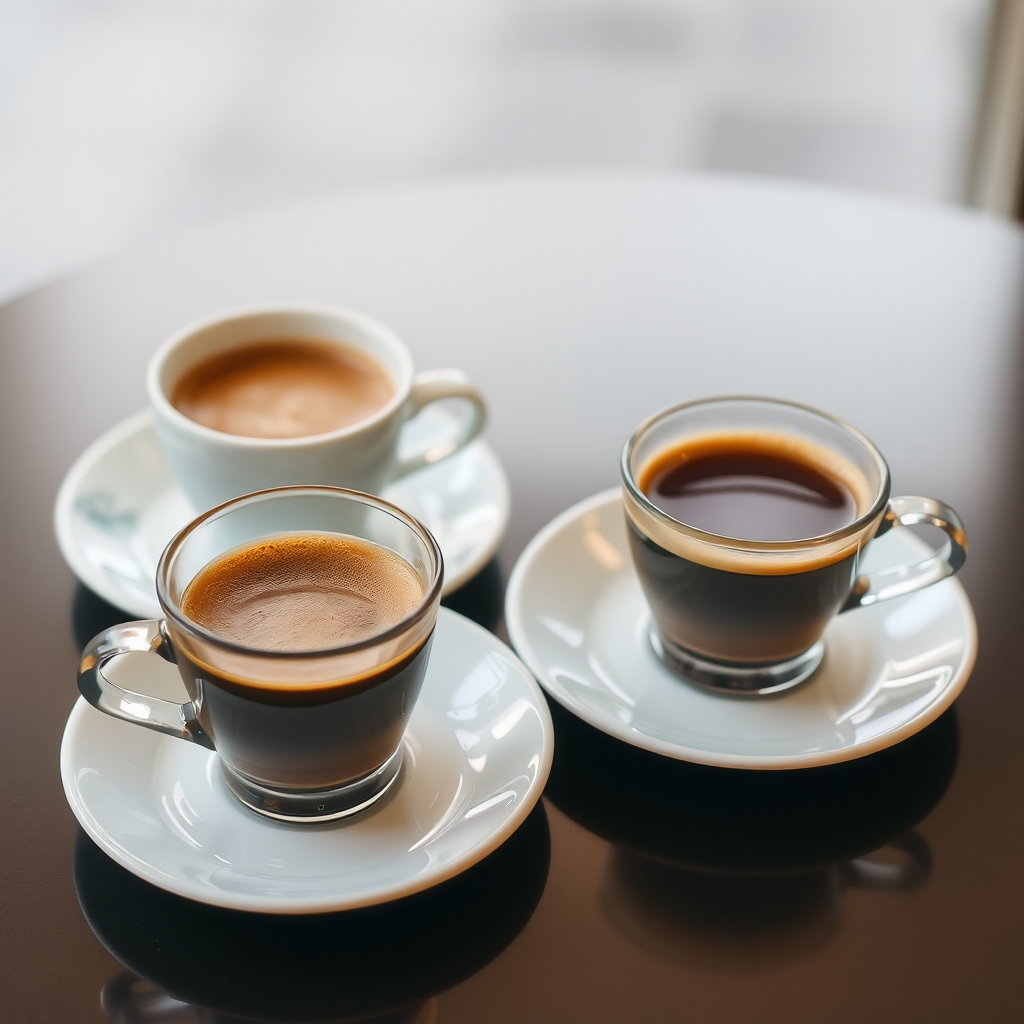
(283, 388)
(756, 487)
(303, 592)
(738, 618)
(295, 593)
(752, 486)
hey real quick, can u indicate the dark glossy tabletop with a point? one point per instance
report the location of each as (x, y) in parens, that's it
(884, 889)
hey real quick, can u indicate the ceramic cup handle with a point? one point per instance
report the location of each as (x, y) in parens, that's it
(148, 637)
(435, 386)
(913, 510)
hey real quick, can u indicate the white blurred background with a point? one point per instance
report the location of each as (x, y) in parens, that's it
(120, 119)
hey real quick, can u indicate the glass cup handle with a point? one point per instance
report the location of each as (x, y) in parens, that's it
(147, 636)
(913, 510)
(434, 386)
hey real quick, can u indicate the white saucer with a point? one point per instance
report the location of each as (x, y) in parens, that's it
(478, 753)
(577, 616)
(119, 506)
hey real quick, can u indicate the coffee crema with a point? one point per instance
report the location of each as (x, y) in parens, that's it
(283, 388)
(303, 592)
(709, 542)
(758, 487)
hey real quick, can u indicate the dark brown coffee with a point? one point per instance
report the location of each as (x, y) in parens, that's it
(299, 593)
(283, 388)
(752, 487)
(749, 488)
(739, 618)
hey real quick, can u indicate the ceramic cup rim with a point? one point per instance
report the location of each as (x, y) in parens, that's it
(429, 599)
(876, 508)
(162, 405)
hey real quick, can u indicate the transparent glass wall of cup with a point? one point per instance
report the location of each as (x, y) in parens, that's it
(212, 466)
(303, 736)
(747, 617)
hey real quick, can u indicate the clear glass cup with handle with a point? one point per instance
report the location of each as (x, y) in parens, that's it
(746, 617)
(301, 735)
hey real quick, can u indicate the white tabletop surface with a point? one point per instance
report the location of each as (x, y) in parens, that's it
(630, 292)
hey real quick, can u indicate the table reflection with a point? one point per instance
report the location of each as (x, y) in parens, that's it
(382, 963)
(746, 921)
(736, 870)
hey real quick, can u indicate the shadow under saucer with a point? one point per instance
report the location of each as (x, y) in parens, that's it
(737, 870)
(730, 819)
(480, 598)
(128, 999)
(377, 963)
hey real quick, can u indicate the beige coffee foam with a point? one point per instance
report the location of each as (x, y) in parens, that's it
(283, 388)
(303, 592)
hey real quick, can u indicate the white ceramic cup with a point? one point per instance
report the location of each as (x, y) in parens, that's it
(212, 466)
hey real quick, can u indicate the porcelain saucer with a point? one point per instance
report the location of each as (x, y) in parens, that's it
(577, 616)
(119, 506)
(478, 753)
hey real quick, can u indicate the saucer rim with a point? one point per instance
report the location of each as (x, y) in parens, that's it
(518, 635)
(143, 420)
(78, 720)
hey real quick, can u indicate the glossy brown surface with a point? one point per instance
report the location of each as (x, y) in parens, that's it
(886, 889)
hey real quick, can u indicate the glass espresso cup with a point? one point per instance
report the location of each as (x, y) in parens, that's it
(301, 735)
(745, 616)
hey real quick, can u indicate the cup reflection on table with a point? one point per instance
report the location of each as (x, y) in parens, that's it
(186, 960)
(743, 870)
(746, 920)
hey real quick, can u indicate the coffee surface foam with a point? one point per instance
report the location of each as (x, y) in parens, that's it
(283, 388)
(303, 592)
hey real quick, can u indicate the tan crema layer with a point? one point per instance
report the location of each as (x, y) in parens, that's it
(758, 558)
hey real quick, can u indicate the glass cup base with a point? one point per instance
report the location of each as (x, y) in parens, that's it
(736, 680)
(315, 807)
